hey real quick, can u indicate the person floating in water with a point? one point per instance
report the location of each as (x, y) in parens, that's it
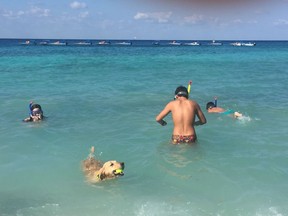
(184, 112)
(212, 107)
(35, 113)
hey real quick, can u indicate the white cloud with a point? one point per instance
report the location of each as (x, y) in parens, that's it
(78, 5)
(75, 18)
(140, 15)
(8, 14)
(200, 19)
(20, 13)
(252, 22)
(194, 19)
(281, 22)
(160, 17)
(33, 11)
(84, 14)
(39, 11)
(237, 21)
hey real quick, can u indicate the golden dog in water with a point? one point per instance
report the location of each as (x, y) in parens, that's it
(96, 171)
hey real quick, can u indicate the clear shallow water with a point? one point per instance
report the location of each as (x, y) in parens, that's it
(109, 96)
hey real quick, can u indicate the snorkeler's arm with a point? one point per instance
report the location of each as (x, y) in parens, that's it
(202, 119)
(28, 119)
(163, 113)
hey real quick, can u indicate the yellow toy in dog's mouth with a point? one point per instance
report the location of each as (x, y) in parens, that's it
(119, 172)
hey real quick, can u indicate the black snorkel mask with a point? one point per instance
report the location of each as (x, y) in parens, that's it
(181, 94)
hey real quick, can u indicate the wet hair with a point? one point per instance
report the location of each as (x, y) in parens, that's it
(209, 105)
(36, 106)
(181, 91)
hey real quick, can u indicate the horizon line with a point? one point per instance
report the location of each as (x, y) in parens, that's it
(135, 39)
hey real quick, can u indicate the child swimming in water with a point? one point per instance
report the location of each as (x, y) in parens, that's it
(35, 114)
(212, 107)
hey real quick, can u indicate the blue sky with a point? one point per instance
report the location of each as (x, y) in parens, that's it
(144, 19)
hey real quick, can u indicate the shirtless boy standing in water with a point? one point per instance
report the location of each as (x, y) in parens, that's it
(183, 114)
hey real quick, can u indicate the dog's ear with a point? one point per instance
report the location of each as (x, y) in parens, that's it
(101, 175)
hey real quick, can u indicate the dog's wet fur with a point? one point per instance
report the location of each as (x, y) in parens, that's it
(97, 171)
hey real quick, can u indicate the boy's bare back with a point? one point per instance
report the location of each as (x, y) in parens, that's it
(184, 112)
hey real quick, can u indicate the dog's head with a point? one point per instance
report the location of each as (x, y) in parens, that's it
(111, 169)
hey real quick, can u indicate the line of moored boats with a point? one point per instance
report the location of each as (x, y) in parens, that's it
(128, 43)
(213, 43)
(61, 43)
(243, 44)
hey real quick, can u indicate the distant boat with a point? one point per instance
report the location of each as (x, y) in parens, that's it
(249, 44)
(124, 43)
(192, 44)
(156, 43)
(83, 43)
(175, 43)
(236, 44)
(43, 43)
(243, 44)
(58, 43)
(214, 43)
(27, 42)
(103, 42)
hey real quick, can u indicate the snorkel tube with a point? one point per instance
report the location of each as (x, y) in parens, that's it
(30, 108)
(189, 87)
(215, 101)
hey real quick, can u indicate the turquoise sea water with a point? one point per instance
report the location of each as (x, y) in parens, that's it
(109, 96)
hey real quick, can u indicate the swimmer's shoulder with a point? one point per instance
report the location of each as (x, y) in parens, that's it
(216, 110)
(192, 103)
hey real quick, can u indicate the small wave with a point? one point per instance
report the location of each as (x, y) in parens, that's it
(46, 209)
(244, 119)
(156, 208)
(271, 211)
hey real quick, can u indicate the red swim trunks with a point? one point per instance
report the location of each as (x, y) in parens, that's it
(177, 139)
